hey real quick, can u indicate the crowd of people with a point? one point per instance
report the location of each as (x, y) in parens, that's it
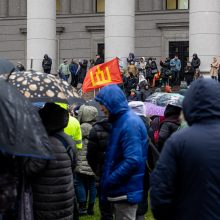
(124, 154)
(75, 72)
(143, 77)
(140, 77)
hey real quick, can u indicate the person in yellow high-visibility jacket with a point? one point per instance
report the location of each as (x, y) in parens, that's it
(73, 128)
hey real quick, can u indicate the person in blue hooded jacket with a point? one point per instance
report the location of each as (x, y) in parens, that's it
(125, 163)
(186, 182)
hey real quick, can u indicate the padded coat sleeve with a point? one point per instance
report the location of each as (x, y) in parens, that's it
(92, 150)
(132, 156)
(164, 134)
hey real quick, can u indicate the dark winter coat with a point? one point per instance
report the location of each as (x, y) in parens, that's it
(98, 141)
(131, 83)
(52, 180)
(189, 74)
(185, 183)
(132, 98)
(124, 82)
(74, 68)
(52, 183)
(151, 69)
(130, 58)
(47, 63)
(82, 71)
(165, 70)
(9, 179)
(195, 63)
(99, 61)
(169, 125)
(126, 152)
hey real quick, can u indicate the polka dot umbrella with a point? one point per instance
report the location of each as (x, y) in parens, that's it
(42, 87)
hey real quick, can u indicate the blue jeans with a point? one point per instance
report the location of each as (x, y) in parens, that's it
(85, 186)
(64, 77)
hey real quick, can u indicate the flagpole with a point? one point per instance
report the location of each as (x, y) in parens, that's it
(94, 93)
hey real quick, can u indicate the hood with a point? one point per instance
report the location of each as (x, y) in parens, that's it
(138, 107)
(54, 117)
(113, 99)
(87, 114)
(142, 78)
(172, 110)
(143, 58)
(195, 56)
(202, 101)
(131, 55)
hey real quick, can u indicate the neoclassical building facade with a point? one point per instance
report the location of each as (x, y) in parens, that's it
(161, 28)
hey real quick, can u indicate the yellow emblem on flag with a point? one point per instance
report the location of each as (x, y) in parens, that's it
(101, 76)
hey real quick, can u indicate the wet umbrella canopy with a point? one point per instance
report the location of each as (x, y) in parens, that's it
(42, 87)
(163, 99)
(21, 130)
(6, 66)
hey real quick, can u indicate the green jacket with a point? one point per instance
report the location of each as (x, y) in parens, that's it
(64, 69)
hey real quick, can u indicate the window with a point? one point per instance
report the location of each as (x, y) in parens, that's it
(183, 4)
(58, 6)
(177, 4)
(100, 6)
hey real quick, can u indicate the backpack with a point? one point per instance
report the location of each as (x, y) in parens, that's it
(153, 140)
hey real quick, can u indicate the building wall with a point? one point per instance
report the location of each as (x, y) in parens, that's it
(154, 30)
(12, 42)
(83, 29)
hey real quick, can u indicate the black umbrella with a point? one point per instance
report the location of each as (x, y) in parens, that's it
(21, 130)
(42, 87)
(6, 66)
(76, 101)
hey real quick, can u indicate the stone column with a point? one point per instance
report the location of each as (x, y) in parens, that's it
(119, 29)
(41, 32)
(204, 31)
(157, 5)
(3, 8)
(65, 7)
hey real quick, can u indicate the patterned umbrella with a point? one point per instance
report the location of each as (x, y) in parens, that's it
(163, 99)
(42, 87)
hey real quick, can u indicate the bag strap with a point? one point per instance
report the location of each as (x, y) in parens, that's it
(68, 148)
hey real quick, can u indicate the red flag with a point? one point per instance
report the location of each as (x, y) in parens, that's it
(102, 75)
